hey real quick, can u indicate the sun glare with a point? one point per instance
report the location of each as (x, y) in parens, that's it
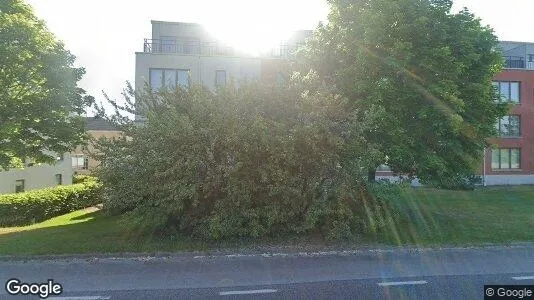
(257, 26)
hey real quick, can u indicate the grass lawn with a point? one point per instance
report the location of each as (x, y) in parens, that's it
(442, 217)
(431, 217)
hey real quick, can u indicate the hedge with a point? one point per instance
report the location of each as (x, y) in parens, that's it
(38, 205)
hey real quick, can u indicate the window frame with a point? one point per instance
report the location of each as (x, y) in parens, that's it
(58, 178)
(499, 124)
(509, 99)
(77, 165)
(188, 71)
(23, 185)
(510, 163)
(216, 78)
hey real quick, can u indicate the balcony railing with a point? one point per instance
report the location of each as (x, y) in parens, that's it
(186, 47)
(514, 62)
(208, 48)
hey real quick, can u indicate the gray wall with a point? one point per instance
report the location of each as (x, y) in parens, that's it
(202, 67)
(509, 179)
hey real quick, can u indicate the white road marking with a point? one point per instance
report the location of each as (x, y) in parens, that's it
(247, 292)
(523, 278)
(401, 283)
(82, 298)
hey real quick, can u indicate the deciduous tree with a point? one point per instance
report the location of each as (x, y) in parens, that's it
(425, 74)
(40, 102)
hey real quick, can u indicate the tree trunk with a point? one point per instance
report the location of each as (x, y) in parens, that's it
(371, 175)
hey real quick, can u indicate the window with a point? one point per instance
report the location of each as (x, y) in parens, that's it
(220, 78)
(169, 78)
(59, 179)
(156, 78)
(531, 58)
(509, 126)
(19, 186)
(383, 168)
(506, 158)
(182, 78)
(509, 90)
(80, 162)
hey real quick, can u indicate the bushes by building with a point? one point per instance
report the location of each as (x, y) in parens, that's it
(38, 205)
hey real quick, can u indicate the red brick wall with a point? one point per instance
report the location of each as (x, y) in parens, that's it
(526, 110)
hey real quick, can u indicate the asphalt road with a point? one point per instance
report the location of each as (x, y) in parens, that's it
(369, 274)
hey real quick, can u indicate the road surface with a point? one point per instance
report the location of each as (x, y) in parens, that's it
(454, 273)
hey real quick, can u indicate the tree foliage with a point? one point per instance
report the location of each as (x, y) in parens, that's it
(39, 97)
(250, 162)
(424, 71)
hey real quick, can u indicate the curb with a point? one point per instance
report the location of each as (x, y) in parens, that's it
(276, 251)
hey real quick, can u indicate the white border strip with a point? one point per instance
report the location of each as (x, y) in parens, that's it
(267, 291)
(392, 283)
(523, 278)
(81, 298)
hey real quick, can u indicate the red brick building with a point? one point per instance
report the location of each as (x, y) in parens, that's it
(511, 161)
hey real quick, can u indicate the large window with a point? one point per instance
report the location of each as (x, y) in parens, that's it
(509, 90)
(506, 158)
(509, 126)
(169, 78)
(220, 78)
(80, 162)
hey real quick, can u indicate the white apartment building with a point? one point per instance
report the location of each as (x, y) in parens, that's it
(180, 53)
(37, 176)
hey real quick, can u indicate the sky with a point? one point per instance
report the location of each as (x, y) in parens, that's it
(105, 34)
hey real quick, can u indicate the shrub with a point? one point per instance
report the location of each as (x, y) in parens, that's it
(255, 162)
(82, 178)
(38, 205)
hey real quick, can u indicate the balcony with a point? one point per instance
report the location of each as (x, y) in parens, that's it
(195, 47)
(514, 62)
(191, 47)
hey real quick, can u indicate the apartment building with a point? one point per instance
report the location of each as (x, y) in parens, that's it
(37, 176)
(511, 161)
(82, 161)
(179, 53)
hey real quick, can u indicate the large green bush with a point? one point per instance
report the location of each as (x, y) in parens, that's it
(38, 205)
(250, 162)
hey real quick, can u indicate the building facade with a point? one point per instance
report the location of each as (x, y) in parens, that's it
(511, 160)
(37, 176)
(82, 161)
(180, 53)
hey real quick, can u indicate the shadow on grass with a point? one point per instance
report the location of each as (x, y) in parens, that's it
(91, 215)
(94, 232)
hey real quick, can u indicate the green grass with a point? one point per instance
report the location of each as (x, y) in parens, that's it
(83, 231)
(498, 215)
(425, 216)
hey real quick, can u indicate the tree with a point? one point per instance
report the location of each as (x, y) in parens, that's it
(40, 103)
(255, 161)
(424, 72)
